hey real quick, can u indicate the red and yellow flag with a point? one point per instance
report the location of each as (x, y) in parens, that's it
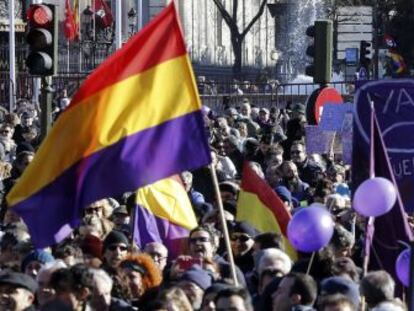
(260, 206)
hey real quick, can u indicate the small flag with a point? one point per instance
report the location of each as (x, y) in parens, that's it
(164, 214)
(103, 13)
(260, 206)
(69, 24)
(135, 120)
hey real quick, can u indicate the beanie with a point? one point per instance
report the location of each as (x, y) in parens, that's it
(37, 255)
(198, 276)
(92, 245)
(115, 237)
(244, 227)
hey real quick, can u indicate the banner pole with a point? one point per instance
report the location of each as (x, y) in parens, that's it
(224, 225)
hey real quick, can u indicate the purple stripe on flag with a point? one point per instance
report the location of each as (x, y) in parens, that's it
(137, 160)
(150, 228)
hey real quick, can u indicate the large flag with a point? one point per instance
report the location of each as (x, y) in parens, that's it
(260, 206)
(164, 214)
(136, 119)
(103, 13)
(391, 127)
(70, 27)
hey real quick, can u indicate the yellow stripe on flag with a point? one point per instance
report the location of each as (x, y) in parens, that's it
(253, 211)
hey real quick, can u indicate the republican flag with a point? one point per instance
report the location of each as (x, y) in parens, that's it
(260, 206)
(164, 214)
(70, 27)
(135, 120)
(104, 14)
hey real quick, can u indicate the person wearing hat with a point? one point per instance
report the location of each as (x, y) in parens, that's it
(115, 249)
(295, 127)
(194, 282)
(17, 292)
(92, 247)
(340, 285)
(142, 275)
(120, 216)
(34, 261)
(242, 241)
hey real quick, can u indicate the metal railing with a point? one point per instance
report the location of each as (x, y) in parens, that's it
(216, 95)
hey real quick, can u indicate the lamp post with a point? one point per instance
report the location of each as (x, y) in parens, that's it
(89, 35)
(132, 21)
(274, 56)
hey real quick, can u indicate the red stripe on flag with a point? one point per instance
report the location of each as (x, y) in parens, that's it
(251, 182)
(131, 60)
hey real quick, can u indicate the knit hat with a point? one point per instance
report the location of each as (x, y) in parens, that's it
(37, 255)
(115, 237)
(244, 227)
(198, 276)
(92, 245)
(228, 186)
(341, 285)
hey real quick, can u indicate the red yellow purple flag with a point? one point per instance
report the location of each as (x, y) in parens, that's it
(136, 119)
(260, 206)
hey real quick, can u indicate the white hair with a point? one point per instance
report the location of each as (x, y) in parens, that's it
(50, 267)
(100, 276)
(271, 255)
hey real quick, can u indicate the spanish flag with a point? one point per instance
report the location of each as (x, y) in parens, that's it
(137, 119)
(163, 213)
(260, 206)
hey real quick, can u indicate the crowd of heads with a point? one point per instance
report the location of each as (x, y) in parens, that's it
(99, 267)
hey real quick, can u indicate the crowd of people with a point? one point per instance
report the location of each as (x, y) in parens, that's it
(99, 268)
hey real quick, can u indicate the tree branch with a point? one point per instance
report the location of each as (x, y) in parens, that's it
(235, 9)
(255, 18)
(226, 16)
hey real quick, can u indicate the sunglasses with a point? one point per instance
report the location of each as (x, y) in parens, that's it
(240, 238)
(113, 248)
(201, 239)
(92, 210)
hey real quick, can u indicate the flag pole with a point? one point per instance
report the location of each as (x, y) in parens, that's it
(369, 230)
(224, 225)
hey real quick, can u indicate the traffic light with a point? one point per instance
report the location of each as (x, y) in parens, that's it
(321, 51)
(364, 51)
(42, 37)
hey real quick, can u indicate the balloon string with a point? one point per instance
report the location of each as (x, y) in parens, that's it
(310, 262)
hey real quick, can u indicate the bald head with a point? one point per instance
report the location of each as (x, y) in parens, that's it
(158, 252)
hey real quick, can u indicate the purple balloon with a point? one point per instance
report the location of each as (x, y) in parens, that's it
(375, 197)
(402, 267)
(310, 229)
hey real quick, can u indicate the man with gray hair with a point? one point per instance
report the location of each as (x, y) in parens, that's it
(273, 258)
(101, 298)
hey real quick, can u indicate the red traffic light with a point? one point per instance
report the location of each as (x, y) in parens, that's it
(40, 15)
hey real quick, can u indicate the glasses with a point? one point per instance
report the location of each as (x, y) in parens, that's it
(5, 132)
(113, 248)
(157, 256)
(93, 210)
(200, 239)
(240, 238)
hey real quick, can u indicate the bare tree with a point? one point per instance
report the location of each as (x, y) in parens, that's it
(237, 36)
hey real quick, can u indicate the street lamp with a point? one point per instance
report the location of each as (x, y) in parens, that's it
(90, 29)
(132, 21)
